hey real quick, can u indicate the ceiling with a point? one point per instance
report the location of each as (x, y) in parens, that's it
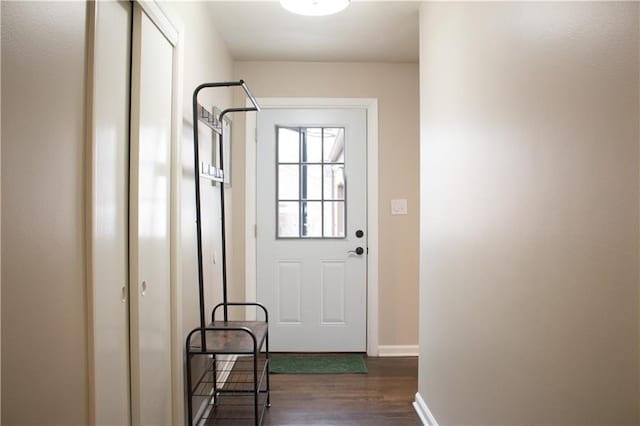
(367, 31)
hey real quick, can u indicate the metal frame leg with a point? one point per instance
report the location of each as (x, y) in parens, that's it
(214, 372)
(189, 390)
(267, 372)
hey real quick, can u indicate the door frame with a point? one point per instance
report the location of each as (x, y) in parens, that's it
(174, 32)
(371, 106)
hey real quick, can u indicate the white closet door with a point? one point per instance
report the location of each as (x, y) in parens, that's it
(150, 247)
(110, 213)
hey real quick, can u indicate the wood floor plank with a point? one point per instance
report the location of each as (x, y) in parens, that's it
(382, 397)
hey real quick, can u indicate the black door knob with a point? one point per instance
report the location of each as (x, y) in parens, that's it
(358, 251)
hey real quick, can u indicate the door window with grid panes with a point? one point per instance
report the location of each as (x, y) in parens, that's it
(311, 184)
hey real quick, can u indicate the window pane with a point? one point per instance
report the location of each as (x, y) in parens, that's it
(288, 145)
(312, 151)
(334, 182)
(288, 183)
(311, 182)
(312, 219)
(334, 219)
(334, 145)
(288, 219)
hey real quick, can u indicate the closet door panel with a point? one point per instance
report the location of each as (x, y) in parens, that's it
(150, 223)
(110, 191)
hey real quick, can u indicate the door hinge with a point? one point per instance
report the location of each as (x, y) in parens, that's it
(255, 231)
(255, 134)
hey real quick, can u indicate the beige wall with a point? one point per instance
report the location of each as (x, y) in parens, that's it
(43, 75)
(44, 336)
(529, 223)
(206, 59)
(396, 88)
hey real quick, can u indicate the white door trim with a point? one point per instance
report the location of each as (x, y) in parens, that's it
(371, 105)
(158, 16)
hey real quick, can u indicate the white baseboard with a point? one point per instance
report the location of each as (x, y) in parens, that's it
(398, 350)
(423, 411)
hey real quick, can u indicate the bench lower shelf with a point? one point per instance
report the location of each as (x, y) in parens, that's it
(233, 388)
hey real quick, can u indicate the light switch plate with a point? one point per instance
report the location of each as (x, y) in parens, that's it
(399, 206)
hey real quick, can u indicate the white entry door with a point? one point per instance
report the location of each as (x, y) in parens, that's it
(150, 204)
(311, 228)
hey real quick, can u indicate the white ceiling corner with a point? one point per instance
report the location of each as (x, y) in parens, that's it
(367, 31)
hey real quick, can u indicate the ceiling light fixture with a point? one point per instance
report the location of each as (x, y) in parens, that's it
(314, 7)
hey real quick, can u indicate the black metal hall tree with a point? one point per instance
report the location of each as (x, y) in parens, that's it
(234, 386)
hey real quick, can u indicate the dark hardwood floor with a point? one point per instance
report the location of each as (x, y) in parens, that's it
(381, 397)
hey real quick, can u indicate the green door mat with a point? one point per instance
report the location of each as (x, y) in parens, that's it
(317, 364)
